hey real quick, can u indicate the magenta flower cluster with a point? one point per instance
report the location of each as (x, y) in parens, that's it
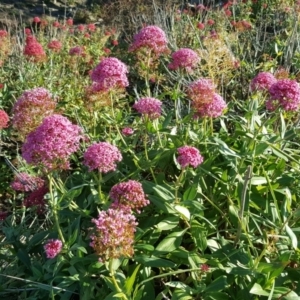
(51, 144)
(34, 50)
(31, 108)
(110, 73)
(189, 156)
(24, 182)
(36, 199)
(212, 109)
(53, 247)
(4, 119)
(150, 38)
(128, 196)
(262, 81)
(76, 51)
(185, 59)
(205, 101)
(114, 235)
(102, 156)
(127, 131)
(201, 90)
(148, 106)
(284, 93)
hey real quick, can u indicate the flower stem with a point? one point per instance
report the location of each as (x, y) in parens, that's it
(178, 184)
(113, 278)
(54, 209)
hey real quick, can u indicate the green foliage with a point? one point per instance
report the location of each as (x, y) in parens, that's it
(227, 229)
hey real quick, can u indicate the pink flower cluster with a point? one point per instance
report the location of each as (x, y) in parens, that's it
(205, 101)
(128, 196)
(110, 73)
(51, 144)
(3, 33)
(189, 156)
(262, 81)
(102, 156)
(151, 38)
(36, 199)
(4, 119)
(55, 46)
(201, 90)
(53, 247)
(185, 59)
(114, 235)
(212, 109)
(34, 50)
(77, 51)
(127, 131)
(24, 182)
(148, 106)
(30, 109)
(284, 93)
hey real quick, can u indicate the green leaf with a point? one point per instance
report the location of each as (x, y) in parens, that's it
(216, 296)
(73, 231)
(190, 193)
(199, 235)
(37, 238)
(280, 154)
(292, 236)
(224, 149)
(258, 180)
(168, 223)
(217, 285)
(160, 204)
(183, 211)
(24, 258)
(164, 193)
(130, 281)
(171, 242)
(258, 290)
(144, 247)
(154, 261)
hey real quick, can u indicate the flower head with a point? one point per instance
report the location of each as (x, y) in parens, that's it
(55, 45)
(201, 91)
(262, 81)
(148, 106)
(77, 51)
(70, 22)
(110, 73)
(56, 24)
(151, 38)
(91, 27)
(284, 93)
(128, 195)
(114, 234)
(189, 156)
(36, 199)
(51, 144)
(36, 20)
(102, 156)
(127, 131)
(184, 58)
(34, 50)
(53, 248)
(31, 108)
(212, 109)
(24, 182)
(4, 119)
